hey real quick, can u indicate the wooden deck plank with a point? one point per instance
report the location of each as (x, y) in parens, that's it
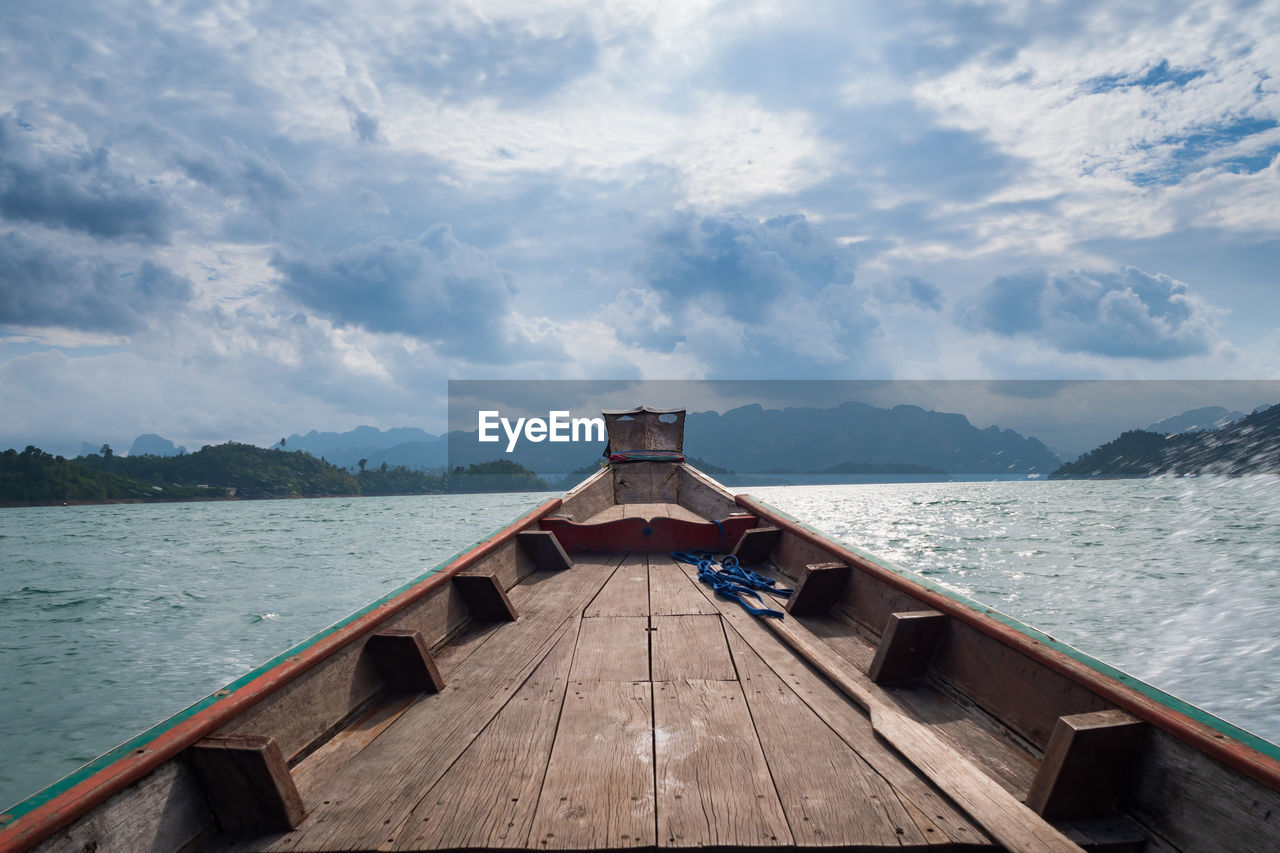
(1008, 763)
(646, 510)
(690, 647)
(381, 785)
(671, 592)
(1000, 814)
(935, 816)
(598, 790)
(612, 648)
(626, 593)
(713, 785)
(488, 797)
(829, 794)
(325, 761)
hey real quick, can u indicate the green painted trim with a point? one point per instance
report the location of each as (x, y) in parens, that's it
(107, 759)
(1170, 701)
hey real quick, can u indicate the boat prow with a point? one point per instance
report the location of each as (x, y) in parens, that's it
(568, 684)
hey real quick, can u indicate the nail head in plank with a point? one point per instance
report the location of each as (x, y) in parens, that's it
(544, 549)
(1088, 763)
(907, 646)
(486, 597)
(819, 588)
(247, 783)
(404, 662)
(755, 545)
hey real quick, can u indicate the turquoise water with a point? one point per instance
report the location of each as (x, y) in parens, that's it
(115, 617)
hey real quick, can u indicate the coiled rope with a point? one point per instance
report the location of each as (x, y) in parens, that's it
(733, 582)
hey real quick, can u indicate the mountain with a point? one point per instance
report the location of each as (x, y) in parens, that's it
(1195, 420)
(753, 440)
(1250, 445)
(153, 445)
(417, 455)
(346, 449)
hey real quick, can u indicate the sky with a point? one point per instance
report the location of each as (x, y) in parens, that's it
(238, 221)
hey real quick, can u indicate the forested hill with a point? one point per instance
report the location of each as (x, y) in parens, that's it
(241, 471)
(1247, 446)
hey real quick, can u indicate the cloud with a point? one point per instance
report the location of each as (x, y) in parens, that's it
(233, 169)
(78, 190)
(363, 125)
(435, 288)
(745, 263)
(45, 286)
(496, 59)
(909, 290)
(752, 297)
(1123, 314)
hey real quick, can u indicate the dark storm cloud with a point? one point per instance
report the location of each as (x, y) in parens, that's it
(42, 286)
(78, 190)
(435, 288)
(1126, 314)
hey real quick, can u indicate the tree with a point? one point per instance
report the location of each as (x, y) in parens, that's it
(283, 442)
(107, 452)
(362, 463)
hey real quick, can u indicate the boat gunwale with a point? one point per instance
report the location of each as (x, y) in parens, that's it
(1233, 746)
(58, 805)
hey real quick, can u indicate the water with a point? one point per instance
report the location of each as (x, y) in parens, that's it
(115, 617)
(1175, 581)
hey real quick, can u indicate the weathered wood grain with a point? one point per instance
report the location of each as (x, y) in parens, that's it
(326, 761)
(964, 726)
(713, 783)
(940, 822)
(247, 783)
(1028, 696)
(1088, 765)
(380, 786)
(647, 510)
(402, 659)
(165, 810)
(612, 648)
(645, 482)
(627, 591)
(589, 497)
(488, 797)
(690, 647)
(544, 550)
(1002, 815)
(485, 596)
(755, 545)
(598, 790)
(818, 589)
(830, 795)
(907, 646)
(1202, 805)
(671, 592)
(702, 495)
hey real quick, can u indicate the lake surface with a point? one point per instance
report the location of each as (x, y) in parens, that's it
(113, 618)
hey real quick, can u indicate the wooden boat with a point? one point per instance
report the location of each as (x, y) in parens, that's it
(565, 684)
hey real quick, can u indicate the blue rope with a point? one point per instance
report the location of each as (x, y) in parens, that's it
(733, 582)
